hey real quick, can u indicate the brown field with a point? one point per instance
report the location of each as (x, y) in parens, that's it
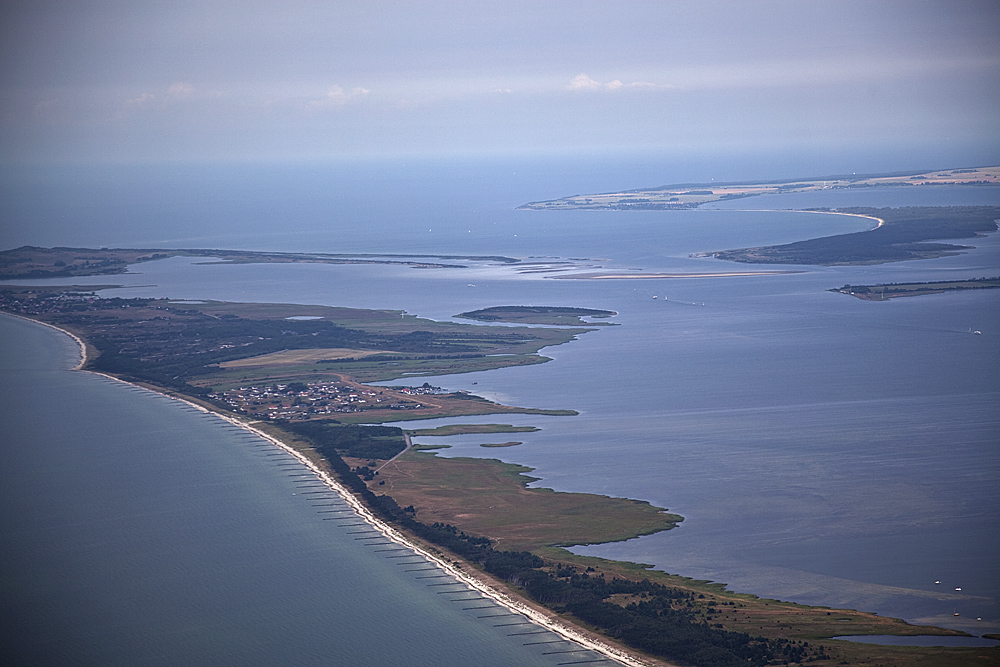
(490, 498)
(297, 357)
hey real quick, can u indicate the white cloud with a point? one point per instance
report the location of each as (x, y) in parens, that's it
(336, 96)
(180, 89)
(584, 82)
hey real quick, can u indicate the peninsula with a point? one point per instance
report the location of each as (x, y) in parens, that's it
(297, 374)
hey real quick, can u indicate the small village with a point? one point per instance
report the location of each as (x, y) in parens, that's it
(298, 400)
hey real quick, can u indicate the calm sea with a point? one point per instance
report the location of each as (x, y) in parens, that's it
(822, 449)
(136, 530)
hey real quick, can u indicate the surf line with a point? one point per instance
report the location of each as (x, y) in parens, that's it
(499, 597)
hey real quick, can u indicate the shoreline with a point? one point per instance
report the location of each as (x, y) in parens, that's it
(880, 221)
(505, 599)
(79, 342)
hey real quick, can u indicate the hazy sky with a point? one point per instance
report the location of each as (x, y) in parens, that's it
(141, 80)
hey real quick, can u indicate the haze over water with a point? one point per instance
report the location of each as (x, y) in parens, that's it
(821, 448)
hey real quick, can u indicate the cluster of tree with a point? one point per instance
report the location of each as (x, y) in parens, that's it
(655, 627)
(331, 438)
(662, 621)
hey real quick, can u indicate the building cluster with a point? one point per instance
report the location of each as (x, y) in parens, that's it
(45, 302)
(296, 400)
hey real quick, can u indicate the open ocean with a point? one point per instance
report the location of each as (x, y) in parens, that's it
(822, 449)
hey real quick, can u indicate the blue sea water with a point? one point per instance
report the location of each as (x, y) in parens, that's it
(136, 530)
(821, 448)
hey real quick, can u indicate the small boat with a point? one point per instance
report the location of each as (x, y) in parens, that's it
(937, 582)
(959, 588)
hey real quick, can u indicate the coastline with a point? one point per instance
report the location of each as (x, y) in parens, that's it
(509, 601)
(879, 221)
(79, 342)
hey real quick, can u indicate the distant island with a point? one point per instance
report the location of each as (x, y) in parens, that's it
(692, 195)
(881, 292)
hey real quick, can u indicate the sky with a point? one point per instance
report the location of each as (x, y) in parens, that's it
(113, 81)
